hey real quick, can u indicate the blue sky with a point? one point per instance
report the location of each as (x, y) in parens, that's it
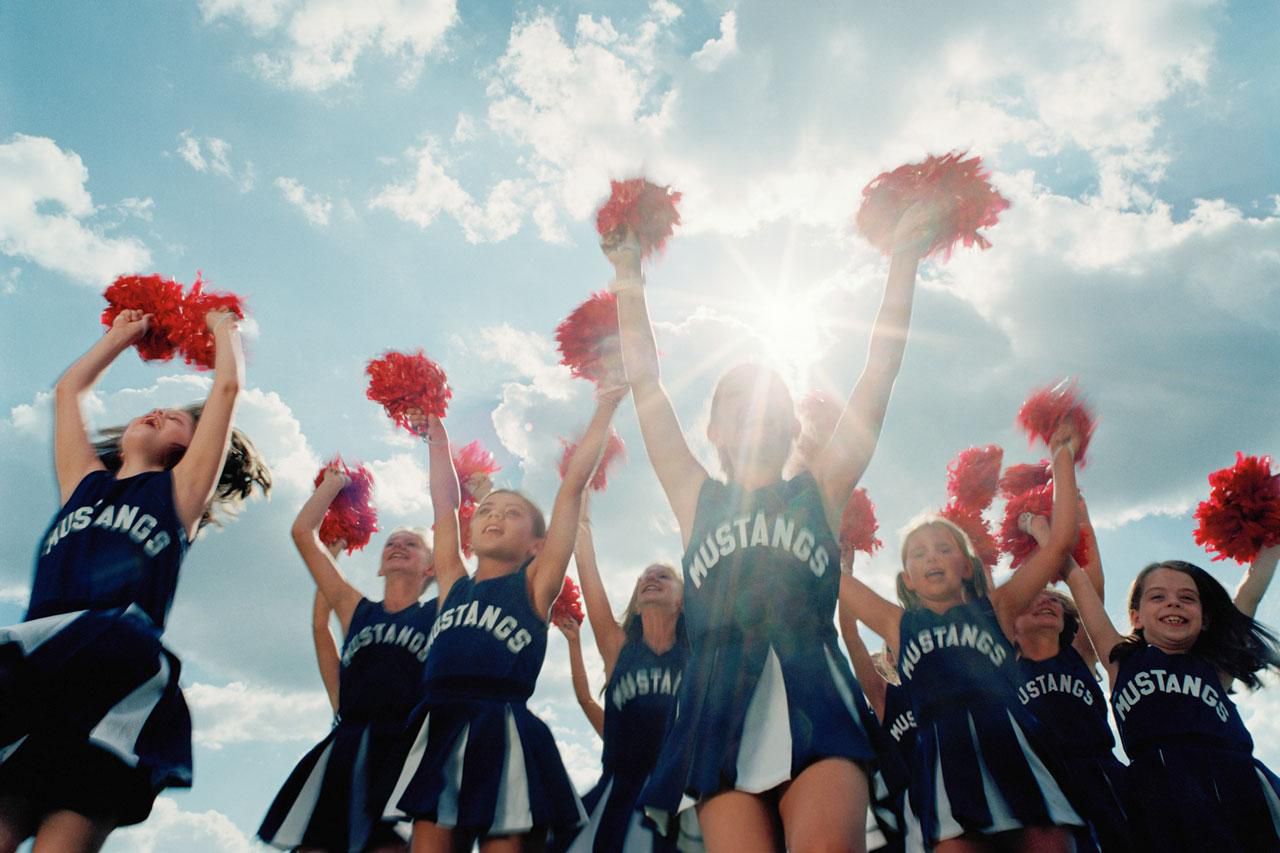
(393, 174)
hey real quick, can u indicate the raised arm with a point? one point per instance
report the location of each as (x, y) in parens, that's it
(1256, 580)
(326, 649)
(680, 474)
(1038, 527)
(873, 685)
(609, 635)
(546, 573)
(342, 596)
(1046, 564)
(1093, 556)
(844, 458)
(196, 476)
(861, 602)
(73, 453)
(578, 672)
(445, 498)
(1093, 615)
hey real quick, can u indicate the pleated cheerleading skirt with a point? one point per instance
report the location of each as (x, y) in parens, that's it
(615, 822)
(976, 770)
(485, 767)
(1096, 784)
(333, 799)
(753, 719)
(1194, 798)
(96, 692)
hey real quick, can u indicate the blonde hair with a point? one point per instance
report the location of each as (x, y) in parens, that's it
(629, 620)
(975, 586)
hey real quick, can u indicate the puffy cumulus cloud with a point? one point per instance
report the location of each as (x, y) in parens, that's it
(400, 484)
(170, 829)
(47, 212)
(320, 41)
(1260, 710)
(239, 713)
(213, 155)
(715, 51)
(316, 208)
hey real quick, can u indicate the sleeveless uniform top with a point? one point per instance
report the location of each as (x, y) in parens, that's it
(1066, 698)
(382, 661)
(638, 703)
(487, 643)
(899, 719)
(115, 542)
(951, 658)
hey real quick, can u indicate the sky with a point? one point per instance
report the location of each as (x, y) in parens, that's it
(395, 174)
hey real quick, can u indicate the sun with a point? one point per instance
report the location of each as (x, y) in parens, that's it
(793, 329)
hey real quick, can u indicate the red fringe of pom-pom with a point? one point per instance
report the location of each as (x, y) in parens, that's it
(970, 520)
(650, 211)
(151, 294)
(858, 524)
(588, 338)
(614, 450)
(973, 477)
(401, 382)
(1242, 514)
(1020, 545)
(568, 603)
(1048, 408)
(1024, 477)
(473, 460)
(957, 189)
(351, 518)
(194, 337)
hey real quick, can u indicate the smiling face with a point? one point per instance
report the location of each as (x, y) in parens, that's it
(935, 565)
(659, 589)
(506, 526)
(407, 554)
(1045, 615)
(1168, 611)
(753, 421)
(159, 437)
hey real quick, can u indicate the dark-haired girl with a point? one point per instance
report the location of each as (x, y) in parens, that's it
(644, 656)
(92, 722)
(482, 767)
(1193, 783)
(982, 774)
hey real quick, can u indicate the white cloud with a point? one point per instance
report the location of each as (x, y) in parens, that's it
(318, 42)
(9, 281)
(46, 211)
(714, 52)
(213, 155)
(169, 829)
(16, 594)
(239, 713)
(400, 484)
(464, 130)
(315, 208)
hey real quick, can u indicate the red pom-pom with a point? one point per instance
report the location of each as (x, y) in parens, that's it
(1013, 539)
(151, 294)
(973, 477)
(970, 520)
(568, 603)
(588, 338)
(351, 518)
(193, 336)
(1242, 514)
(405, 381)
(614, 450)
(1048, 408)
(1018, 479)
(472, 462)
(649, 209)
(958, 189)
(858, 524)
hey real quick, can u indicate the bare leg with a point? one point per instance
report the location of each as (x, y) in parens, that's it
(1043, 839)
(71, 832)
(738, 822)
(965, 844)
(825, 809)
(430, 838)
(17, 822)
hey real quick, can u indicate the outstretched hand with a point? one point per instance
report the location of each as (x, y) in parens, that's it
(335, 475)
(612, 395)
(622, 247)
(916, 229)
(570, 628)
(131, 324)
(1066, 435)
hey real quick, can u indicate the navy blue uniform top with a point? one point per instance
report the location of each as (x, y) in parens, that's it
(638, 702)
(382, 660)
(115, 542)
(1064, 695)
(487, 643)
(761, 565)
(899, 719)
(1165, 700)
(948, 659)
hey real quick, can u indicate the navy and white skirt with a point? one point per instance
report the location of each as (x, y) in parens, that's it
(94, 686)
(484, 767)
(976, 771)
(333, 799)
(615, 822)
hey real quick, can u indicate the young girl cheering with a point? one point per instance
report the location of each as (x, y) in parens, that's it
(980, 767)
(1193, 783)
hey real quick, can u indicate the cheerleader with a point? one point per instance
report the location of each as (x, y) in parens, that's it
(92, 722)
(333, 799)
(1059, 685)
(768, 740)
(644, 656)
(482, 766)
(980, 778)
(1192, 783)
